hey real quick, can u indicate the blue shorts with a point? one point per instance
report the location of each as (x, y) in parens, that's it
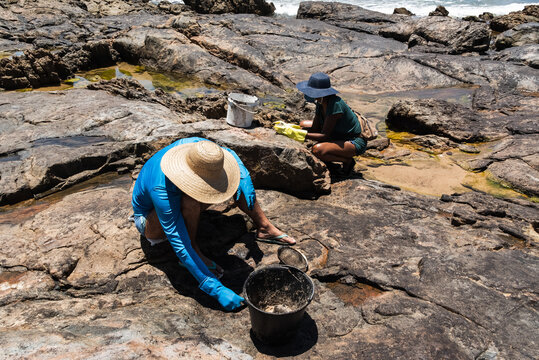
(360, 144)
(140, 224)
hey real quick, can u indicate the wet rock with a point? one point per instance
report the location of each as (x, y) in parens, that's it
(439, 11)
(259, 7)
(519, 174)
(442, 118)
(433, 142)
(470, 149)
(378, 144)
(524, 34)
(509, 21)
(402, 11)
(34, 69)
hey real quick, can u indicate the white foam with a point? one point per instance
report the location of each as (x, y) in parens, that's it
(419, 7)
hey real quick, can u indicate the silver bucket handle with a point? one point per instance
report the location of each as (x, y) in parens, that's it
(244, 109)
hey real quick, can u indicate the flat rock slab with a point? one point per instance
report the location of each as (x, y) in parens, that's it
(50, 141)
(394, 277)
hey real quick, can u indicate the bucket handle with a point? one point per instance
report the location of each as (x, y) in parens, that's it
(244, 109)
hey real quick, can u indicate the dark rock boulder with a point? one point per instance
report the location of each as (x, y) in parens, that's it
(486, 16)
(442, 118)
(523, 34)
(402, 11)
(439, 11)
(509, 21)
(259, 7)
(34, 69)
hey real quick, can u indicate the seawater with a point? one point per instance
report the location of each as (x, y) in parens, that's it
(456, 8)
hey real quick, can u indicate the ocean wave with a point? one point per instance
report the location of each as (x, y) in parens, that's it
(456, 8)
(420, 8)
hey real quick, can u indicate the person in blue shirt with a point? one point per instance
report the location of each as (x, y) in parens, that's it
(335, 127)
(176, 185)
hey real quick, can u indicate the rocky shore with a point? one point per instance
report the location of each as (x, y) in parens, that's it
(398, 274)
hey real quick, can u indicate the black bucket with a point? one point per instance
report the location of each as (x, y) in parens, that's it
(277, 296)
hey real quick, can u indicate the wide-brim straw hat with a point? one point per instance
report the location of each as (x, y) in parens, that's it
(318, 85)
(203, 171)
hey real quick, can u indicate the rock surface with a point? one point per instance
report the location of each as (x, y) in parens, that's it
(515, 18)
(259, 7)
(389, 266)
(78, 134)
(397, 274)
(520, 35)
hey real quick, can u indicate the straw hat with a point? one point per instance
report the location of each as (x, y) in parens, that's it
(203, 171)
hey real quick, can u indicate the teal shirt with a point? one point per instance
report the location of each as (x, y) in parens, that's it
(347, 126)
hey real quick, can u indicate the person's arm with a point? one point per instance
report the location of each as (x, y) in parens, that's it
(246, 186)
(325, 134)
(168, 208)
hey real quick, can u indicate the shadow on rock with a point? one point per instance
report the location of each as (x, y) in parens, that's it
(217, 234)
(306, 337)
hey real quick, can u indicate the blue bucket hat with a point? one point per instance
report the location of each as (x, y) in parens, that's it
(317, 86)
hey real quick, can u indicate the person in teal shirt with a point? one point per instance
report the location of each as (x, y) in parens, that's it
(335, 127)
(176, 185)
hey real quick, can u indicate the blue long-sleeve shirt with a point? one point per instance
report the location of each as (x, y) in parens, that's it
(153, 190)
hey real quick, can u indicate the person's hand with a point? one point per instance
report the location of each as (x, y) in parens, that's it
(228, 299)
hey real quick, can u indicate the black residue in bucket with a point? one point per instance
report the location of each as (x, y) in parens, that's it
(277, 297)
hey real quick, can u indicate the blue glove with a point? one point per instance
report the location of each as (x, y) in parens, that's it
(226, 297)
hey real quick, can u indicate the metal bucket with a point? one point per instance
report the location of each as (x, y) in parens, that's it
(241, 109)
(277, 297)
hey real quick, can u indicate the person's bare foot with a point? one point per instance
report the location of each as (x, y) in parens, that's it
(271, 232)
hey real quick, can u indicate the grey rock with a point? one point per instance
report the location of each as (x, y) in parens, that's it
(442, 118)
(526, 54)
(61, 145)
(518, 174)
(523, 34)
(456, 35)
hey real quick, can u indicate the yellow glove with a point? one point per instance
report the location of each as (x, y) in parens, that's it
(280, 126)
(295, 132)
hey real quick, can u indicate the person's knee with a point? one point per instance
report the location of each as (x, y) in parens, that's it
(319, 151)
